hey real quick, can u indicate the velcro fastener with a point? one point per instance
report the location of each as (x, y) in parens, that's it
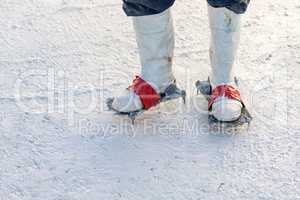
(226, 91)
(149, 97)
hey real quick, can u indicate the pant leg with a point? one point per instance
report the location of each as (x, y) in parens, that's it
(237, 6)
(146, 7)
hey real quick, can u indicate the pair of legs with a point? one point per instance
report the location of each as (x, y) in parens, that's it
(155, 37)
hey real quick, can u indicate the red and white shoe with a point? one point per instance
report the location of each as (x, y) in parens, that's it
(225, 103)
(227, 112)
(139, 96)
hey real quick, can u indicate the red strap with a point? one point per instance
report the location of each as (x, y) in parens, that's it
(149, 97)
(226, 91)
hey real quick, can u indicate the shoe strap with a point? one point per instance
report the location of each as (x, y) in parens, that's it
(149, 97)
(226, 91)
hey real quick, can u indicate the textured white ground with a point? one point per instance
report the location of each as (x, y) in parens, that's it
(59, 59)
